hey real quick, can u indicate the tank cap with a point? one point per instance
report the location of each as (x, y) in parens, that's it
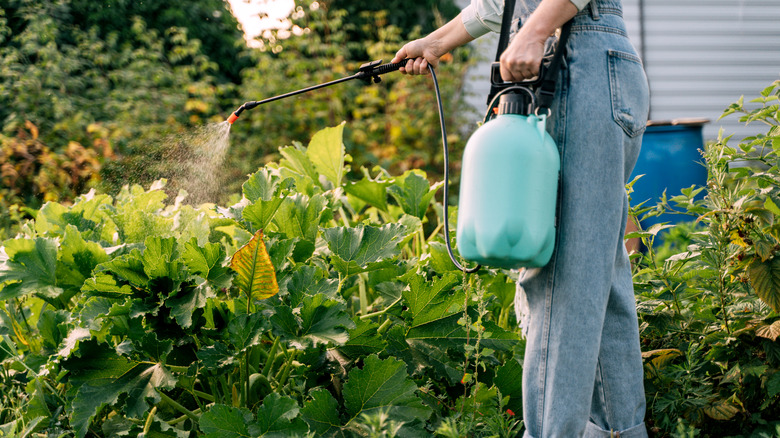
(512, 103)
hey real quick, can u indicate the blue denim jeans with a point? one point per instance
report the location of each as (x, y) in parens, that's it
(582, 370)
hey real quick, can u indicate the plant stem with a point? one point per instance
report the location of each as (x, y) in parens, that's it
(284, 372)
(149, 420)
(271, 358)
(381, 312)
(203, 395)
(385, 325)
(246, 359)
(177, 368)
(183, 418)
(435, 233)
(344, 216)
(191, 415)
(421, 242)
(362, 293)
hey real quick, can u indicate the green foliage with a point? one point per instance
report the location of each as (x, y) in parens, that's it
(122, 315)
(709, 304)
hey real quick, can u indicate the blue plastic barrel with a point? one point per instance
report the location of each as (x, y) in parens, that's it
(670, 160)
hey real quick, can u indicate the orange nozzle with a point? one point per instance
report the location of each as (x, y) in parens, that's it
(233, 117)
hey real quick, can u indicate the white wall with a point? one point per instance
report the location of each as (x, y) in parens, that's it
(702, 55)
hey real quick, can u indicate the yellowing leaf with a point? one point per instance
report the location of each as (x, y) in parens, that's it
(722, 410)
(256, 276)
(737, 240)
(769, 331)
(659, 358)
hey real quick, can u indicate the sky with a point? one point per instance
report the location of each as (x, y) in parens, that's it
(256, 16)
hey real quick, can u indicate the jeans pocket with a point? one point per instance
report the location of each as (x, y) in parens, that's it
(629, 92)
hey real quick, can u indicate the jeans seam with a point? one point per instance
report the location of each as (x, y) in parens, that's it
(602, 390)
(596, 28)
(560, 137)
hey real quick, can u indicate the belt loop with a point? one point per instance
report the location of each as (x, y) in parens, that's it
(594, 10)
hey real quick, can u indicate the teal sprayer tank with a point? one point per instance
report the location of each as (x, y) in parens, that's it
(509, 190)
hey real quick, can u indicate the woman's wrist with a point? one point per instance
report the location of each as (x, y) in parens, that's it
(449, 37)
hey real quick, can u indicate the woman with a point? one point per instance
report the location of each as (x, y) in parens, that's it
(583, 371)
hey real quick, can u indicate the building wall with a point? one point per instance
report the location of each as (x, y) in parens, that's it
(700, 56)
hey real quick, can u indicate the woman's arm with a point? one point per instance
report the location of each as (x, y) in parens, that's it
(429, 49)
(520, 61)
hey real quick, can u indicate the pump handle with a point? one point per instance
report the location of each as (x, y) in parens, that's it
(497, 81)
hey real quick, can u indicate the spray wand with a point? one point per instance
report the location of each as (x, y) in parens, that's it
(368, 73)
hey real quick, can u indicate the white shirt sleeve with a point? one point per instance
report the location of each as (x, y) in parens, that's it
(580, 4)
(483, 16)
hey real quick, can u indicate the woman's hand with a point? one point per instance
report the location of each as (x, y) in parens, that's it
(523, 57)
(421, 52)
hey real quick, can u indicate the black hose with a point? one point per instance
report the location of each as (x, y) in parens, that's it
(446, 148)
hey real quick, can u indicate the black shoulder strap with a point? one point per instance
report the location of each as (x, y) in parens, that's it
(503, 40)
(546, 90)
(506, 23)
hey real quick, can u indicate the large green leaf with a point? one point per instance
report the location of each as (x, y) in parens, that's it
(322, 412)
(137, 213)
(765, 279)
(265, 192)
(363, 340)
(103, 284)
(278, 418)
(30, 265)
(155, 349)
(299, 216)
(318, 320)
(132, 388)
(184, 305)
(260, 212)
(53, 326)
(509, 380)
(207, 261)
(161, 258)
(296, 159)
(383, 386)
(223, 421)
(422, 357)
(371, 191)
(245, 331)
(362, 248)
(77, 259)
(413, 192)
(309, 281)
(432, 301)
(326, 152)
(129, 267)
(448, 332)
(255, 273)
(216, 356)
(264, 185)
(88, 215)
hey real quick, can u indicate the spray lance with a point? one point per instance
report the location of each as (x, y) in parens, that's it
(368, 73)
(509, 182)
